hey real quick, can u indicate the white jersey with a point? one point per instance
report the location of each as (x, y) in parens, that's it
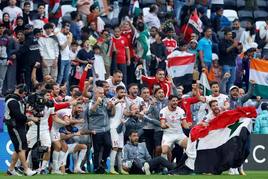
(222, 98)
(119, 114)
(113, 87)
(43, 121)
(138, 101)
(174, 120)
(61, 114)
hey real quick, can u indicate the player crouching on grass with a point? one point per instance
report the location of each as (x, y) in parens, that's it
(66, 116)
(137, 160)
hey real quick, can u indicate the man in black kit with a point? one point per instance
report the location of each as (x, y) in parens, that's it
(16, 121)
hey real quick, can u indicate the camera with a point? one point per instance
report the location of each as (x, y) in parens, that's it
(38, 103)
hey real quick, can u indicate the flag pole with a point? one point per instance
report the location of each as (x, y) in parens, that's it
(186, 26)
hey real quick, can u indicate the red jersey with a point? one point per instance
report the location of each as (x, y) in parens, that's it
(151, 81)
(170, 44)
(129, 36)
(120, 44)
(185, 104)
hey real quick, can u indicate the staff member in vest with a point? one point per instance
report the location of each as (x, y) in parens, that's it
(16, 120)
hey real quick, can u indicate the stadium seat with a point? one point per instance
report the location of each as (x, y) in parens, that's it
(67, 8)
(66, 2)
(240, 4)
(229, 4)
(230, 14)
(261, 4)
(258, 24)
(147, 3)
(260, 15)
(245, 15)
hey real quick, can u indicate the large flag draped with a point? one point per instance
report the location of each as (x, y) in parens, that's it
(181, 68)
(259, 73)
(223, 144)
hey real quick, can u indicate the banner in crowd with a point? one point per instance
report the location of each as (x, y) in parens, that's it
(259, 73)
(205, 84)
(181, 68)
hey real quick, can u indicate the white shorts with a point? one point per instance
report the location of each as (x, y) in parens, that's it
(117, 139)
(71, 147)
(44, 138)
(170, 139)
(55, 135)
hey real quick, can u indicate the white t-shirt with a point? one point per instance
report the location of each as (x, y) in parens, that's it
(222, 98)
(119, 114)
(65, 53)
(61, 114)
(99, 67)
(43, 120)
(174, 119)
(112, 86)
(13, 12)
(138, 101)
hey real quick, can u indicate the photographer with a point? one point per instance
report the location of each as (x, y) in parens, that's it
(229, 49)
(42, 108)
(16, 121)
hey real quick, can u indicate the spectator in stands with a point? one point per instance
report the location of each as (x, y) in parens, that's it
(205, 49)
(19, 26)
(6, 21)
(220, 21)
(65, 38)
(4, 49)
(49, 50)
(74, 28)
(13, 10)
(26, 12)
(39, 16)
(248, 36)
(237, 29)
(206, 22)
(83, 7)
(261, 124)
(229, 49)
(151, 19)
(264, 35)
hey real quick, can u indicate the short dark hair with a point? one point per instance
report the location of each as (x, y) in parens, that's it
(48, 26)
(41, 4)
(73, 86)
(93, 7)
(100, 83)
(73, 14)
(26, 3)
(117, 71)
(131, 132)
(212, 101)
(214, 83)
(207, 28)
(131, 85)
(173, 96)
(119, 88)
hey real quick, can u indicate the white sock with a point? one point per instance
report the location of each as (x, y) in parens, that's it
(55, 158)
(81, 156)
(112, 159)
(164, 156)
(75, 156)
(29, 159)
(119, 160)
(44, 164)
(62, 158)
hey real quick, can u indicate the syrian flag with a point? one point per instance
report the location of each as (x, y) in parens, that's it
(259, 73)
(195, 22)
(221, 145)
(181, 68)
(205, 84)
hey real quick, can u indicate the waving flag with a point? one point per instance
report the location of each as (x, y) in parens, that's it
(195, 22)
(224, 142)
(205, 84)
(181, 68)
(259, 73)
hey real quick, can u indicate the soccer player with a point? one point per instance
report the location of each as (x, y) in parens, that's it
(172, 119)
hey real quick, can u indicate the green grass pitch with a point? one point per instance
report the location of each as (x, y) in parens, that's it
(250, 175)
